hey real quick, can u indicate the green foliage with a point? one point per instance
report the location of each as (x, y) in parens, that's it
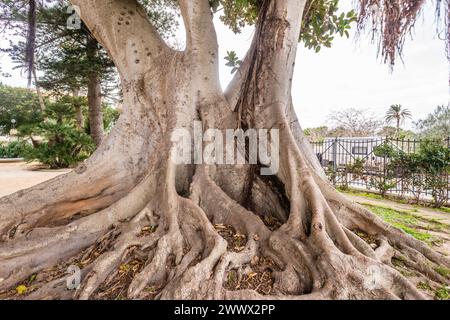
(356, 169)
(110, 117)
(424, 286)
(68, 56)
(383, 183)
(317, 134)
(63, 110)
(232, 61)
(64, 146)
(436, 125)
(392, 132)
(434, 157)
(435, 161)
(404, 221)
(163, 15)
(397, 114)
(427, 169)
(322, 22)
(442, 294)
(237, 13)
(443, 271)
(423, 172)
(19, 104)
(13, 149)
(386, 149)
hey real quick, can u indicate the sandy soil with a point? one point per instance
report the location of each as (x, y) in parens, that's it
(21, 175)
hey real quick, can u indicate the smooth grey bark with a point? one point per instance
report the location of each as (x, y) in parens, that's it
(132, 184)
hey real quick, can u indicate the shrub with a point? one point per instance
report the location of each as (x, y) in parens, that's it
(385, 150)
(435, 163)
(13, 149)
(425, 171)
(64, 146)
(382, 183)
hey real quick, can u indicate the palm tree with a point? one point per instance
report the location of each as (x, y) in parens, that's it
(397, 113)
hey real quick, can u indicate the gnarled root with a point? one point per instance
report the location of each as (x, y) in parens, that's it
(154, 243)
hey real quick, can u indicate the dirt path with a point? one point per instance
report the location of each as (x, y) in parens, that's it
(428, 213)
(21, 175)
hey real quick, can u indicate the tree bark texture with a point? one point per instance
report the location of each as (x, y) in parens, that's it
(177, 225)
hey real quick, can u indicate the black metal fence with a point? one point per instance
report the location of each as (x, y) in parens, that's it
(355, 162)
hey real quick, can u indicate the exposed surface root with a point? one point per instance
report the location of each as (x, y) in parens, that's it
(209, 246)
(138, 226)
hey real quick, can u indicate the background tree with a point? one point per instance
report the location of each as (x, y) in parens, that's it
(166, 219)
(354, 122)
(317, 134)
(397, 114)
(70, 58)
(20, 104)
(436, 125)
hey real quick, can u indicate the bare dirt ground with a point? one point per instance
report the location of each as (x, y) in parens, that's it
(22, 175)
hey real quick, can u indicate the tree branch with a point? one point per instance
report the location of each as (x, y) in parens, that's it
(233, 90)
(124, 30)
(269, 69)
(198, 21)
(201, 44)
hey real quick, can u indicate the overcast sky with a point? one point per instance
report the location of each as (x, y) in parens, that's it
(350, 74)
(347, 75)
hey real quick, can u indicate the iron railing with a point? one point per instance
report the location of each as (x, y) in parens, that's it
(352, 162)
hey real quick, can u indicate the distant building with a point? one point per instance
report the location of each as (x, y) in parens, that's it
(344, 150)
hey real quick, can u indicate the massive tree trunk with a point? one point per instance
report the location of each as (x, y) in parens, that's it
(188, 231)
(95, 97)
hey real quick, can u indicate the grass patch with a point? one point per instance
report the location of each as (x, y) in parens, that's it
(375, 196)
(442, 294)
(424, 286)
(362, 194)
(443, 271)
(408, 222)
(444, 209)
